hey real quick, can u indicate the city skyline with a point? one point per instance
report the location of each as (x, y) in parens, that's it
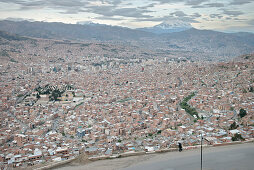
(226, 15)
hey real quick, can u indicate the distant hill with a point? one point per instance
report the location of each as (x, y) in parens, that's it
(191, 43)
(213, 43)
(71, 31)
(249, 57)
(9, 36)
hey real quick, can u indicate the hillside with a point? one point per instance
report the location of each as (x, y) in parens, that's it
(217, 44)
(71, 31)
(7, 36)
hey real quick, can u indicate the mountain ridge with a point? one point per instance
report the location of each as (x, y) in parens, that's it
(191, 43)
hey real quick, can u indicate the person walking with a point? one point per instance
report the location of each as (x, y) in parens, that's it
(180, 147)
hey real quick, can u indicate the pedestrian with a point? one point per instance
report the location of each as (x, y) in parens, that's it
(180, 147)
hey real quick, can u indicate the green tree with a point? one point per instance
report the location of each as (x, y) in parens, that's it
(233, 126)
(242, 113)
(251, 89)
(38, 96)
(237, 137)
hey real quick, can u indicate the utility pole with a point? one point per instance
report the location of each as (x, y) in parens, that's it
(201, 152)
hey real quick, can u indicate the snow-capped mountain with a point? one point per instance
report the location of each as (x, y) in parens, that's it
(86, 23)
(168, 27)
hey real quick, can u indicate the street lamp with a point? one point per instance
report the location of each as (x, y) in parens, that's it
(201, 151)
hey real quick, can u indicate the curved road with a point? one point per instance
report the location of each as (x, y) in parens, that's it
(233, 157)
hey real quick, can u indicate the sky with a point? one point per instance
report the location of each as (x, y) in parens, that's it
(220, 15)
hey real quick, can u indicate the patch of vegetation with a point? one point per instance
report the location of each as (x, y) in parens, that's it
(249, 57)
(46, 48)
(184, 105)
(96, 64)
(79, 105)
(251, 89)
(38, 96)
(150, 134)
(244, 91)
(233, 126)
(237, 137)
(20, 95)
(53, 92)
(13, 60)
(4, 53)
(232, 108)
(242, 113)
(73, 93)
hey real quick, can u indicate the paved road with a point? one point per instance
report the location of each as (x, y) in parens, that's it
(233, 157)
(236, 157)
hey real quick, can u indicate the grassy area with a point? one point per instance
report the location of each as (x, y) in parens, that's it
(78, 105)
(184, 104)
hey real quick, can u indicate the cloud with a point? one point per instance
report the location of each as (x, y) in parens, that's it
(64, 5)
(198, 6)
(209, 5)
(112, 2)
(251, 22)
(215, 5)
(131, 12)
(109, 18)
(168, 1)
(219, 16)
(19, 19)
(106, 8)
(240, 2)
(196, 15)
(178, 14)
(232, 13)
(110, 11)
(186, 2)
(195, 2)
(187, 19)
(148, 6)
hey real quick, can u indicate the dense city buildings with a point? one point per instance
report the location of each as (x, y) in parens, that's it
(60, 99)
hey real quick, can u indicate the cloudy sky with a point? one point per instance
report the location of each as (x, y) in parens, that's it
(222, 15)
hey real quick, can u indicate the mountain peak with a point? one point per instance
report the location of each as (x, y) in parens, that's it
(86, 23)
(173, 24)
(168, 26)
